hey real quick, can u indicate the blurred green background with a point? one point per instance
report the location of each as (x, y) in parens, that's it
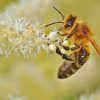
(35, 78)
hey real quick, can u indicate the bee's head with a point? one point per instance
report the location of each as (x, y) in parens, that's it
(68, 24)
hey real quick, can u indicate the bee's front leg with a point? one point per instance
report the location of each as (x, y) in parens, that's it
(61, 34)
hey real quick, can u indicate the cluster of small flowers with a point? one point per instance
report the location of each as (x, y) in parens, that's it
(22, 35)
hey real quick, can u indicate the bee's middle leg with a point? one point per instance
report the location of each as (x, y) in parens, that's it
(71, 48)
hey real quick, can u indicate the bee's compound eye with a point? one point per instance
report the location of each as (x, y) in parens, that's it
(68, 24)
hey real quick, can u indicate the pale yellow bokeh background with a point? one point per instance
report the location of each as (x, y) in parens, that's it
(35, 78)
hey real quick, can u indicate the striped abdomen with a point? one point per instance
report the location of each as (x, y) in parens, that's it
(70, 67)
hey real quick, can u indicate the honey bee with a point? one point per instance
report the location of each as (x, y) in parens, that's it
(78, 33)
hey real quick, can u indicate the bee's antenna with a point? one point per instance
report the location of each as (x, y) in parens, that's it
(53, 23)
(59, 12)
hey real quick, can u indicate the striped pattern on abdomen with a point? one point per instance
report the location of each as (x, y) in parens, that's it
(70, 67)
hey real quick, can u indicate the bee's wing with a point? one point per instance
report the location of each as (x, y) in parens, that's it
(92, 41)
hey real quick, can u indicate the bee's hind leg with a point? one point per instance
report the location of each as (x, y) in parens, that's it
(64, 56)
